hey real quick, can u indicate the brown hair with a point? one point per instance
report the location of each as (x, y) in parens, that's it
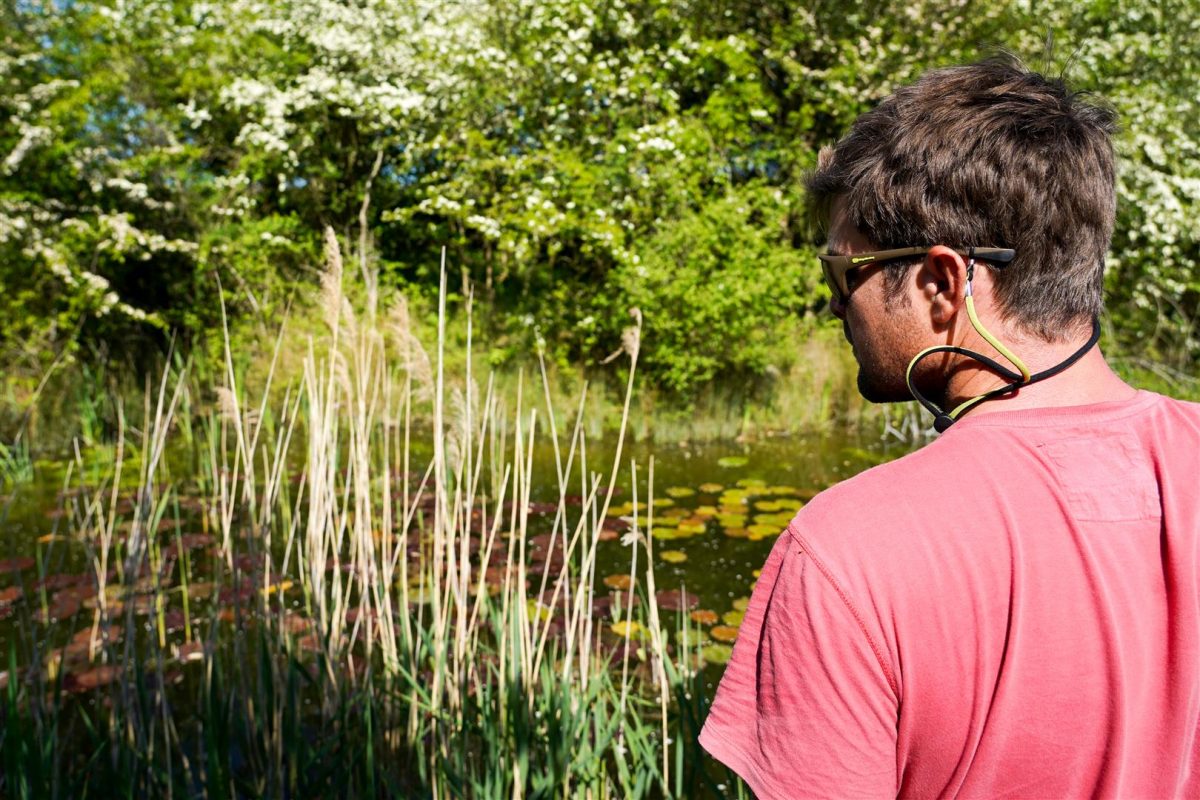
(992, 155)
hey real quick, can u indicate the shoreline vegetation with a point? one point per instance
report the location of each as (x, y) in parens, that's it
(320, 569)
(297, 543)
(165, 166)
(320, 612)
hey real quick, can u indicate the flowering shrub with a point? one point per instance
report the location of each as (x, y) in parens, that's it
(577, 159)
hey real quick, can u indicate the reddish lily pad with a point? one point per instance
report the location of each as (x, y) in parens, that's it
(17, 564)
(673, 600)
(190, 651)
(724, 633)
(94, 678)
(618, 581)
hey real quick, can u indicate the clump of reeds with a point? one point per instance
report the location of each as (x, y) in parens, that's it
(352, 610)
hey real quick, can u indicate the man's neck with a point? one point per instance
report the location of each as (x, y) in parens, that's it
(1089, 380)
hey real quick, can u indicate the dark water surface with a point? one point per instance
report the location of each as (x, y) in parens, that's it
(697, 488)
(718, 511)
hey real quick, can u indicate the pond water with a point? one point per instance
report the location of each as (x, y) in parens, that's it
(718, 510)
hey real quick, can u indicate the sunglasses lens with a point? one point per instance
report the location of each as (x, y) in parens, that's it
(827, 271)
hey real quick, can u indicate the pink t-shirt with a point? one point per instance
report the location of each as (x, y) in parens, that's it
(1012, 611)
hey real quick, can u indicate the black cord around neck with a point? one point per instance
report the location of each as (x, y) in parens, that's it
(942, 420)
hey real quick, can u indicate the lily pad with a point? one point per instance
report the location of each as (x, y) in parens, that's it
(762, 530)
(704, 616)
(673, 556)
(675, 600)
(16, 564)
(716, 653)
(710, 488)
(680, 491)
(537, 610)
(665, 534)
(742, 603)
(93, 678)
(755, 484)
(733, 618)
(276, 588)
(737, 533)
(723, 633)
(859, 454)
(619, 581)
(190, 651)
(731, 462)
(626, 628)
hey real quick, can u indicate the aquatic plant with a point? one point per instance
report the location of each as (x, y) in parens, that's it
(345, 604)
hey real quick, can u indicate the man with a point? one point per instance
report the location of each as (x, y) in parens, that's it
(1012, 611)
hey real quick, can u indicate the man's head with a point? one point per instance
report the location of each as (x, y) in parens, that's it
(985, 155)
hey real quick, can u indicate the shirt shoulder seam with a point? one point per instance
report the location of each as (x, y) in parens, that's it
(888, 675)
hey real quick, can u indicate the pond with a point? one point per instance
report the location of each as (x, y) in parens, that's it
(718, 509)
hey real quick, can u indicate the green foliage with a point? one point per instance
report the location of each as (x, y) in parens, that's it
(576, 159)
(709, 281)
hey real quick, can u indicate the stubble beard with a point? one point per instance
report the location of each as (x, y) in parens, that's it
(880, 387)
(881, 377)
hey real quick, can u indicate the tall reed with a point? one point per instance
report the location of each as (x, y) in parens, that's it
(383, 632)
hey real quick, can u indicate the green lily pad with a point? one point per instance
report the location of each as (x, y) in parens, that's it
(537, 610)
(716, 653)
(673, 556)
(732, 461)
(680, 491)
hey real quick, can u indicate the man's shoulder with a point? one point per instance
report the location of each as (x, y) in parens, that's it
(976, 477)
(878, 495)
(910, 512)
(1178, 412)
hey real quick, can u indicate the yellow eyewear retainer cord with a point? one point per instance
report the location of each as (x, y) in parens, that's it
(942, 419)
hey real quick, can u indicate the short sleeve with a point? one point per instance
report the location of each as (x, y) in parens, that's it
(805, 708)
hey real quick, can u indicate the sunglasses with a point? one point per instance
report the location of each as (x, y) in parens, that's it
(835, 268)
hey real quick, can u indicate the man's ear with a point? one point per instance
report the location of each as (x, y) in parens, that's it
(943, 283)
